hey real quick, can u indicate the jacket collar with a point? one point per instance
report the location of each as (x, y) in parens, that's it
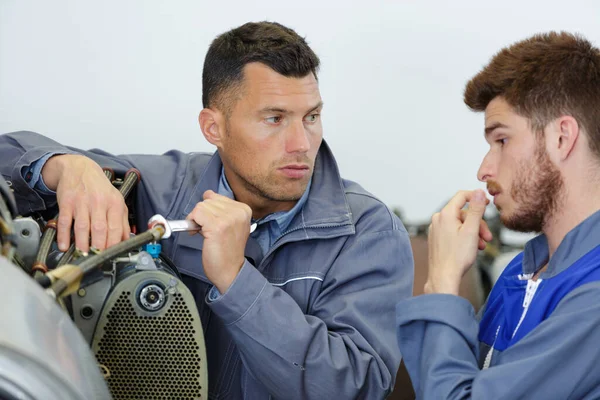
(326, 212)
(326, 204)
(578, 242)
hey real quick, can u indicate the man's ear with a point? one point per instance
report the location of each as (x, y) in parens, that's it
(567, 134)
(212, 124)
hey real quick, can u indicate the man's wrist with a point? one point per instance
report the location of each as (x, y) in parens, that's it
(56, 165)
(52, 171)
(225, 280)
(442, 285)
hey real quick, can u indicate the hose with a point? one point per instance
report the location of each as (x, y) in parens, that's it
(68, 277)
(132, 177)
(39, 266)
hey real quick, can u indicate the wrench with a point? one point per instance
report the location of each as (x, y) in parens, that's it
(182, 225)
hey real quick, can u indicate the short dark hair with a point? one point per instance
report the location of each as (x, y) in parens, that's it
(272, 44)
(543, 77)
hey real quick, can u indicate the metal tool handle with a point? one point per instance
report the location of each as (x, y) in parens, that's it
(190, 226)
(183, 225)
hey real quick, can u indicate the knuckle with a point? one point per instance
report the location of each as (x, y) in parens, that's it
(80, 198)
(81, 225)
(99, 226)
(63, 221)
(117, 199)
(68, 199)
(114, 228)
(99, 196)
(443, 214)
(241, 214)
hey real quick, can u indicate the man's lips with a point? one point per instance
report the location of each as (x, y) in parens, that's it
(295, 166)
(295, 170)
(494, 193)
(493, 188)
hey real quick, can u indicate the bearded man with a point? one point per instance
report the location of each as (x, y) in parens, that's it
(537, 336)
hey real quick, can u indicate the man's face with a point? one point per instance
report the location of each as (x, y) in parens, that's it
(526, 185)
(272, 135)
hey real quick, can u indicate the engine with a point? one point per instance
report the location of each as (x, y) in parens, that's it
(117, 323)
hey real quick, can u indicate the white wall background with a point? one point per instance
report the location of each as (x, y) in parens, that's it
(125, 76)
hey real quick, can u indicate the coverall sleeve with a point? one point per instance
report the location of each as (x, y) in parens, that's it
(437, 335)
(162, 175)
(344, 348)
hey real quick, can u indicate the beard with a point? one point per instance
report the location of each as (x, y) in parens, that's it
(266, 184)
(269, 189)
(537, 193)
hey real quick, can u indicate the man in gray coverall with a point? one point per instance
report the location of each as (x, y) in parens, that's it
(302, 308)
(539, 333)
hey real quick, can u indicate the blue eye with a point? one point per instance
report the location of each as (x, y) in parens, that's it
(502, 141)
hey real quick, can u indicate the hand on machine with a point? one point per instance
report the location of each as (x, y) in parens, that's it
(125, 296)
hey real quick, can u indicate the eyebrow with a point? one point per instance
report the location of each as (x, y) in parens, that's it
(493, 127)
(284, 111)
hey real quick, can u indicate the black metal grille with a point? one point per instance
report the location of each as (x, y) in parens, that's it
(151, 357)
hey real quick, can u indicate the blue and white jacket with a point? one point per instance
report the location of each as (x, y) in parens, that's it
(535, 340)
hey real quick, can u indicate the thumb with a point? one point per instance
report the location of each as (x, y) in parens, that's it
(209, 194)
(477, 205)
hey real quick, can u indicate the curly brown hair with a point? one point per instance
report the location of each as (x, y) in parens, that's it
(543, 77)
